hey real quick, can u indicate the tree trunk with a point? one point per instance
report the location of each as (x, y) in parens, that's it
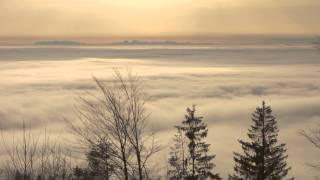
(139, 166)
(193, 170)
(125, 165)
(263, 142)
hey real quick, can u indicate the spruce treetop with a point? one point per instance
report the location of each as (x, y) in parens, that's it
(263, 157)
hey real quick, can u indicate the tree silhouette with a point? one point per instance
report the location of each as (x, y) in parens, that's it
(178, 157)
(35, 156)
(197, 163)
(115, 114)
(100, 160)
(313, 137)
(263, 158)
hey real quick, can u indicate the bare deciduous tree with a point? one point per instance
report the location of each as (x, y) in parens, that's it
(33, 156)
(313, 136)
(117, 115)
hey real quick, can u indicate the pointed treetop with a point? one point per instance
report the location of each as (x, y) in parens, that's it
(191, 109)
(263, 157)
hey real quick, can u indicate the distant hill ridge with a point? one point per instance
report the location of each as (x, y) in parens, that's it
(125, 42)
(59, 43)
(142, 42)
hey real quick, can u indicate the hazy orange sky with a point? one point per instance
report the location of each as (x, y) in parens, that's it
(95, 18)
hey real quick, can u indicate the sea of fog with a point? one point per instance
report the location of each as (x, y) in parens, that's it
(40, 85)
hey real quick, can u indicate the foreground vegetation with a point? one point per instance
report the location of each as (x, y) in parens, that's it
(112, 127)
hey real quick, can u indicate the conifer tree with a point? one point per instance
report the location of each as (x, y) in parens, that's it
(100, 160)
(197, 163)
(263, 158)
(178, 157)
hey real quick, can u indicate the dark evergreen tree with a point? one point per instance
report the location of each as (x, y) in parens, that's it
(178, 157)
(263, 158)
(80, 174)
(197, 163)
(100, 162)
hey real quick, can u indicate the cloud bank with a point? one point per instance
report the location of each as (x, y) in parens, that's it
(43, 92)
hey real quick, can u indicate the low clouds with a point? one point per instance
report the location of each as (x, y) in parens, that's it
(43, 92)
(254, 52)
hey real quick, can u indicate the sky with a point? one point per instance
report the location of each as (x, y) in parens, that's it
(226, 81)
(145, 18)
